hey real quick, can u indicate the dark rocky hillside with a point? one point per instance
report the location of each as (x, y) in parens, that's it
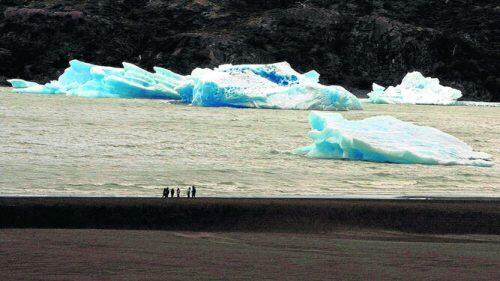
(351, 43)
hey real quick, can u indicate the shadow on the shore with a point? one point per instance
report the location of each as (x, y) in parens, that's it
(257, 215)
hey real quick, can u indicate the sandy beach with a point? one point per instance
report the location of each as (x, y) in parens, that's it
(97, 254)
(248, 239)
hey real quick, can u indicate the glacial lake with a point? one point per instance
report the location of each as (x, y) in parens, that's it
(70, 146)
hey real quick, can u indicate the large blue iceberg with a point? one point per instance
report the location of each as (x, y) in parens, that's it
(386, 139)
(415, 89)
(259, 86)
(264, 86)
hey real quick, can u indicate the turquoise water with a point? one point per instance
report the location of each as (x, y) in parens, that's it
(70, 146)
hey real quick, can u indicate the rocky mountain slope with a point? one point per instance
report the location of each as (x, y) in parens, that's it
(351, 43)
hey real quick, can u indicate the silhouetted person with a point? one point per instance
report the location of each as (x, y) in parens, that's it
(165, 193)
(178, 192)
(189, 192)
(172, 192)
(193, 191)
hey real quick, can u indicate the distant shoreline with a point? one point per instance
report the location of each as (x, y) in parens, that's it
(362, 97)
(312, 197)
(430, 215)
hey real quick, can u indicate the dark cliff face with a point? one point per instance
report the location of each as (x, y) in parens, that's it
(350, 43)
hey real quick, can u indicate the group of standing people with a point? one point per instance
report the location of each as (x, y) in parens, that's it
(171, 192)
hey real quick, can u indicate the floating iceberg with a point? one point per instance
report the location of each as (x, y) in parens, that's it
(386, 139)
(264, 86)
(88, 80)
(19, 83)
(259, 86)
(415, 89)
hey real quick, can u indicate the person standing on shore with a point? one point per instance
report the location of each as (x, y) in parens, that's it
(178, 192)
(165, 193)
(172, 192)
(193, 191)
(189, 192)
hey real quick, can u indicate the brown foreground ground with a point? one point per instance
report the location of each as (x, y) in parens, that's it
(55, 254)
(248, 239)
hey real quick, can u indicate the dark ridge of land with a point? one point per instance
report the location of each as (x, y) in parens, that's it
(351, 43)
(253, 215)
(93, 254)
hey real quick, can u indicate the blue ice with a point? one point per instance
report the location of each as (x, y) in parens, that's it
(386, 139)
(19, 83)
(252, 85)
(88, 80)
(275, 86)
(415, 89)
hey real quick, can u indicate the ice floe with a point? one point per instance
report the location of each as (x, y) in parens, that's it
(386, 139)
(415, 89)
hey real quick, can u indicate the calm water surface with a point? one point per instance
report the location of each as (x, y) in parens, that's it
(58, 145)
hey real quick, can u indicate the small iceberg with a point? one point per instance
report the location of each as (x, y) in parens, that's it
(386, 139)
(415, 89)
(276, 86)
(19, 83)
